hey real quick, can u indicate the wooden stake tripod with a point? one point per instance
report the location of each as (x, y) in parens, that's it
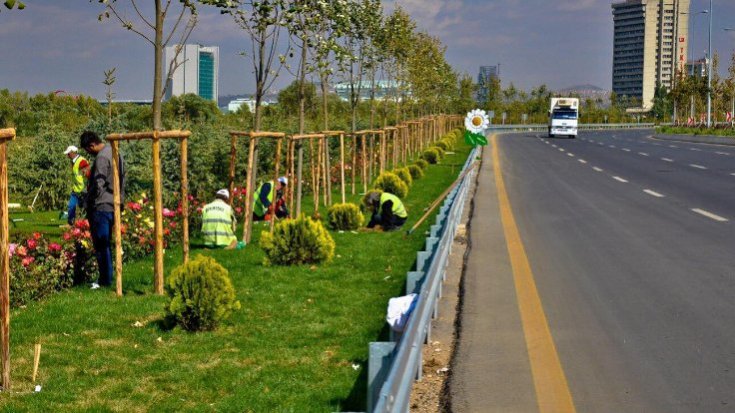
(155, 137)
(5, 136)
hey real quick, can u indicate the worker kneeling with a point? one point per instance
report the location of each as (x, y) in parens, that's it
(388, 210)
(269, 199)
(218, 222)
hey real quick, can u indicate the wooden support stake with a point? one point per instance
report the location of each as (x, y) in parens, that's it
(371, 155)
(290, 172)
(248, 218)
(185, 196)
(36, 360)
(4, 261)
(157, 216)
(353, 170)
(117, 213)
(328, 171)
(342, 165)
(299, 177)
(275, 181)
(382, 152)
(317, 176)
(364, 164)
(233, 160)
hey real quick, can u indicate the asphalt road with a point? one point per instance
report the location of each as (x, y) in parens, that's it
(631, 242)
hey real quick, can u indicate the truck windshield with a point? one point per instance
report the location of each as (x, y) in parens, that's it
(565, 114)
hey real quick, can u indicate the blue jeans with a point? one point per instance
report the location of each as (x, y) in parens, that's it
(74, 202)
(101, 225)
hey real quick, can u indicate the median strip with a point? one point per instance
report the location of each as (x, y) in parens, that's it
(709, 215)
(550, 382)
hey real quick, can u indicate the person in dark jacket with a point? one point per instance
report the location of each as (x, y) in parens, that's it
(388, 211)
(269, 198)
(99, 203)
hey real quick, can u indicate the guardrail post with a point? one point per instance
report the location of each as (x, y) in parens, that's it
(413, 281)
(381, 356)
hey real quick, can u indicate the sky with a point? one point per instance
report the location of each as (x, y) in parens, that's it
(60, 44)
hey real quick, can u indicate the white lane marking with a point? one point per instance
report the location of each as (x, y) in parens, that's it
(554, 145)
(723, 153)
(667, 159)
(582, 161)
(546, 142)
(656, 144)
(561, 149)
(733, 174)
(642, 154)
(673, 146)
(695, 149)
(653, 193)
(709, 215)
(601, 144)
(597, 169)
(612, 146)
(697, 166)
(619, 179)
(570, 154)
(626, 149)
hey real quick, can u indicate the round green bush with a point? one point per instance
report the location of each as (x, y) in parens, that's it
(200, 295)
(450, 143)
(416, 172)
(297, 241)
(390, 182)
(421, 164)
(405, 175)
(440, 151)
(443, 145)
(345, 217)
(431, 155)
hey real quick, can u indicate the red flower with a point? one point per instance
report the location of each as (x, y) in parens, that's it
(87, 234)
(21, 251)
(27, 261)
(172, 224)
(66, 236)
(134, 206)
(166, 231)
(238, 210)
(82, 224)
(168, 213)
(123, 228)
(54, 247)
(37, 236)
(76, 232)
(32, 244)
(191, 197)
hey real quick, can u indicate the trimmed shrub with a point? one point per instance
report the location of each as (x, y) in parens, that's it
(421, 163)
(297, 241)
(345, 217)
(200, 294)
(431, 155)
(390, 182)
(405, 175)
(416, 171)
(440, 151)
(443, 145)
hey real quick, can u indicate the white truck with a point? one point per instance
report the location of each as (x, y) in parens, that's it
(563, 116)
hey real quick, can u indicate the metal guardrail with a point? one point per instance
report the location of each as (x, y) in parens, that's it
(585, 126)
(393, 366)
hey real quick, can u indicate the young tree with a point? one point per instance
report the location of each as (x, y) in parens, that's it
(10, 4)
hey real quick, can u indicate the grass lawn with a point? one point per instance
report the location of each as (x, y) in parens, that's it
(299, 343)
(695, 131)
(26, 223)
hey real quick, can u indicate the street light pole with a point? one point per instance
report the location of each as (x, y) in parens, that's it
(732, 112)
(709, 71)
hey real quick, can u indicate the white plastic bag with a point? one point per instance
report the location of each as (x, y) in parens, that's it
(399, 310)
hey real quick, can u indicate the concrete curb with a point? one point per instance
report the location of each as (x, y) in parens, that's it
(713, 140)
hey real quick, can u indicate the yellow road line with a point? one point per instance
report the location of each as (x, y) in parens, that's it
(552, 389)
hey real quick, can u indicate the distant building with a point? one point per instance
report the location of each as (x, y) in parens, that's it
(650, 45)
(236, 104)
(384, 89)
(484, 78)
(697, 68)
(197, 71)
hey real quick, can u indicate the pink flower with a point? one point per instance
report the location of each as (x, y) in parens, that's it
(191, 197)
(168, 213)
(32, 244)
(76, 232)
(27, 261)
(238, 210)
(21, 251)
(12, 248)
(134, 206)
(54, 247)
(66, 236)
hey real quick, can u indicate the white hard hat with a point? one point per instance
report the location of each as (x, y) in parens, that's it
(283, 180)
(70, 149)
(224, 193)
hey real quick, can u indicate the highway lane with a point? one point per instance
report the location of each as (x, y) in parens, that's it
(638, 289)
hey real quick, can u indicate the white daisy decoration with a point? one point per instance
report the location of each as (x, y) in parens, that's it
(475, 124)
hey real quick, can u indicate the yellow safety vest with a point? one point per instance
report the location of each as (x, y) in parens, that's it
(77, 177)
(258, 208)
(217, 220)
(398, 209)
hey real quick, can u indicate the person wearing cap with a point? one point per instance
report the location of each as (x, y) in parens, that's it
(269, 198)
(79, 175)
(388, 210)
(219, 223)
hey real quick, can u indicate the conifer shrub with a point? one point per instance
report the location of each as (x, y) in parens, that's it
(390, 182)
(297, 241)
(421, 163)
(416, 172)
(440, 151)
(200, 294)
(431, 156)
(443, 145)
(405, 175)
(345, 217)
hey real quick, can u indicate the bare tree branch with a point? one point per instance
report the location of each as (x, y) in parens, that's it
(129, 25)
(135, 6)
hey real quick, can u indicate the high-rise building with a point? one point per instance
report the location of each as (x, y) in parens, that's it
(196, 71)
(650, 46)
(484, 78)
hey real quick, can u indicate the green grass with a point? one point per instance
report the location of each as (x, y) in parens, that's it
(26, 223)
(695, 131)
(291, 348)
